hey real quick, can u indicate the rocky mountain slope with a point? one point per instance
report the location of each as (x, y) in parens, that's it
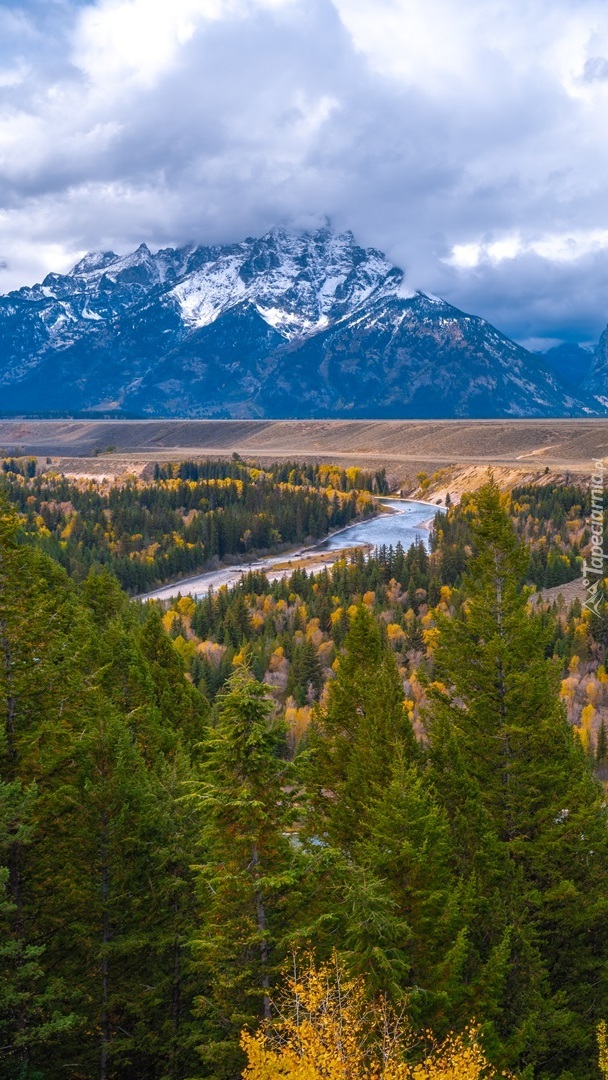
(287, 325)
(571, 364)
(595, 387)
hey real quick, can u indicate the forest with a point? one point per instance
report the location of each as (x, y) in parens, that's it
(292, 829)
(187, 518)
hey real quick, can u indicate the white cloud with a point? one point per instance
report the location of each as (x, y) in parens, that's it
(13, 76)
(468, 141)
(447, 47)
(140, 39)
(555, 248)
(137, 38)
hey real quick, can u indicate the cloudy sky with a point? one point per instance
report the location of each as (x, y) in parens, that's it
(467, 140)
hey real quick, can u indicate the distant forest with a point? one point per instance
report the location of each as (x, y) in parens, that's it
(188, 518)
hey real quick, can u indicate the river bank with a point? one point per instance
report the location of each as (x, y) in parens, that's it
(392, 526)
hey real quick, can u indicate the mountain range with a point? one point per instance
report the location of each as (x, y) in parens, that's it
(288, 325)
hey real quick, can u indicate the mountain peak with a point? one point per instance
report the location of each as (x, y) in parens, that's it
(93, 260)
(299, 282)
(294, 323)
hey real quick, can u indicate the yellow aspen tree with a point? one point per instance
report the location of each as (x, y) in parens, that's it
(327, 1029)
(586, 728)
(602, 1042)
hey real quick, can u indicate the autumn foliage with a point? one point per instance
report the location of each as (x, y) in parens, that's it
(326, 1029)
(602, 1042)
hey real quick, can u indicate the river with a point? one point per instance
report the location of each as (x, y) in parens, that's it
(403, 526)
(408, 521)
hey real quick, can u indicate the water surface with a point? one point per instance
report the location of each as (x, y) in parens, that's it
(404, 527)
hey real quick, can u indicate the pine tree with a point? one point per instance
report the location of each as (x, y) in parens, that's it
(112, 885)
(34, 1005)
(526, 814)
(36, 683)
(356, 735)
(601, 750)
(103, 596)
(170, 1034)
(180, 706)
(249, 868)
(408, 853)
(95, 837)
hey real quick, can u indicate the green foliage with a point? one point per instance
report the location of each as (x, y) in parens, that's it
(225, 617)
(250, 867)
(408, 852)
(95, 838)
(354, 738)
(551, 518)
(527, 817)
(33, 1008)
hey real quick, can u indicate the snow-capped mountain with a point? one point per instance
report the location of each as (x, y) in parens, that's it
(305, 325)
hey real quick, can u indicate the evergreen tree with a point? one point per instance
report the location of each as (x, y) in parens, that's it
(34, 1005)
(36, 682)
(180, 706)
(249, 868)
(408, 853)
(601, 751)
(526, 815)
(113, 891)
(354, 738)
(96, 840)
(305, 680)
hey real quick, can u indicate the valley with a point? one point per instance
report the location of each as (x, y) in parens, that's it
(518, 450)
(404, 522)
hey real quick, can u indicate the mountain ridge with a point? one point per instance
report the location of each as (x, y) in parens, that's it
(289, 324)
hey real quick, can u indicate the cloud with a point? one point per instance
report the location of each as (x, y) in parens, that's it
(595, 69)
(555, 247)
(465, 141)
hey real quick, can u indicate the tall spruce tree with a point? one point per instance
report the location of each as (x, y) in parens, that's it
(250, 869)
(527, 817)
(418, 952)
(115, 858)
(379, 846)
(355, 736)
(34, 1002)
(36, 682)
(112, 878)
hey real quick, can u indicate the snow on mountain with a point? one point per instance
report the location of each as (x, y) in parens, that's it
(93, 261)
(298, 284)
(289, 324)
